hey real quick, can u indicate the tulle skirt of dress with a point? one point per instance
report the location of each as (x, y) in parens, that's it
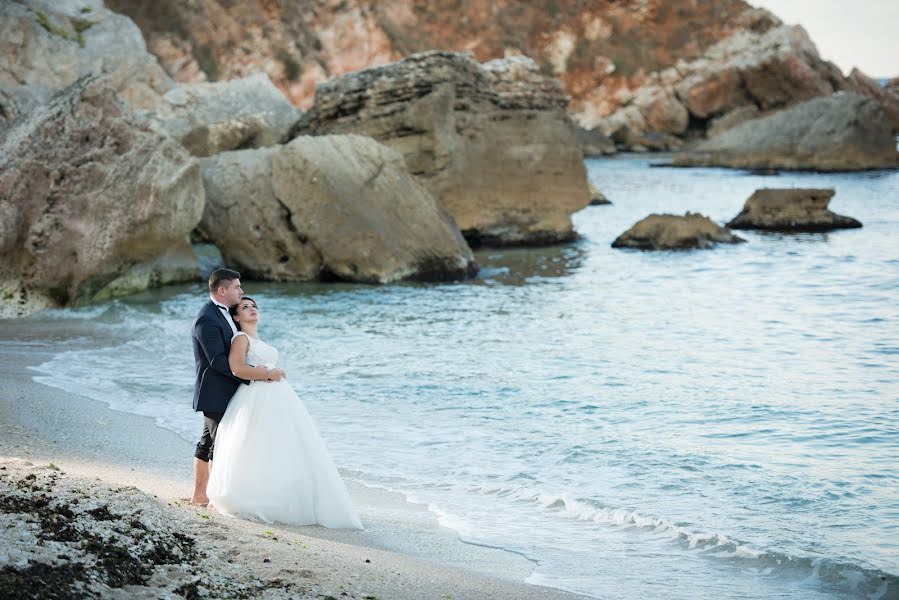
(271, 465)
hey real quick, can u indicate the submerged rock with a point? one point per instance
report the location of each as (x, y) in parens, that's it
(673, 232)
(329, 207)
(791, 210)
(88, 195)
(491, 142)
(842, 132)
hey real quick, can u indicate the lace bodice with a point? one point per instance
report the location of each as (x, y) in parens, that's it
(259, 353)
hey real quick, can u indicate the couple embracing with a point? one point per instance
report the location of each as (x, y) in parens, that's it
(269, 462)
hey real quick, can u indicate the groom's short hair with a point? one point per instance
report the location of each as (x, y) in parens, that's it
(220, 275)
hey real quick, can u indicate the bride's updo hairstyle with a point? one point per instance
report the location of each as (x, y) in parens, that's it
(233, 310)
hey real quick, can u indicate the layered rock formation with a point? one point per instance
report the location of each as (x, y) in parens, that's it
(739, 78)
(48, 45)
(329, 207)
(842, 132)
(491, 142)
(793, 209)
(90, 200)
(208, 118)
(673, 232)
(600, 52)
(650, 73)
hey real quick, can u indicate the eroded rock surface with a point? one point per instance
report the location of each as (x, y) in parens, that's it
(208, 118)
(757, 70)
(842, 132)
(329, 207)
(792, 209)
(673, 232)
(491, 142)
(52, 44)
(87, 195)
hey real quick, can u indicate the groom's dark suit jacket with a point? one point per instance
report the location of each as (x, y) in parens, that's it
(215, 383)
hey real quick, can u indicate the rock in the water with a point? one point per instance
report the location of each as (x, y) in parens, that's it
(329, 207)
(842, 132)
(597, 198)
(791, 210)
(208, 118)
(51, 44)
(88, 195)
(491, 142)
(673, 232)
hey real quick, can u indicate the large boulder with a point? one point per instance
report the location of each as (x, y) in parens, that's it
(792, 209)
(87, 196)
(842, 132)
(673, 232)
(52, 44)
(491, 142)
(331, 207)
(208, 118)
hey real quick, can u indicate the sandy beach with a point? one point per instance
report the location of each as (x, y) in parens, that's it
(94, 501)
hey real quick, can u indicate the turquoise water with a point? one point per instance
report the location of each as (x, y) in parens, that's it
(699, 424)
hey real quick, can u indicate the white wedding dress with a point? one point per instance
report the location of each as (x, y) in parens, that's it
(270, 464)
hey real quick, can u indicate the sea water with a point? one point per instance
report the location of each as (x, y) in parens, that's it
(696, 424)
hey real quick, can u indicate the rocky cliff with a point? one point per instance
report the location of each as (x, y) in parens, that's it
(600, 52)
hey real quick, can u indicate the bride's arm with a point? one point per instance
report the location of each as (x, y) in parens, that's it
(237, 360)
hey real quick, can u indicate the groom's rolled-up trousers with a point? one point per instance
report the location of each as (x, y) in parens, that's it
(206, 445)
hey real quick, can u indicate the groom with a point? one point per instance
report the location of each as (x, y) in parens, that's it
(215, 384)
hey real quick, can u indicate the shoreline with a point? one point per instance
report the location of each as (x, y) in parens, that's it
(410, 554)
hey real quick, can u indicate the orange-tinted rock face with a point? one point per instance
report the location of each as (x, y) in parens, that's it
(600, 51)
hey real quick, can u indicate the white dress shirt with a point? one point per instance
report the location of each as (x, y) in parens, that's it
(226, 314)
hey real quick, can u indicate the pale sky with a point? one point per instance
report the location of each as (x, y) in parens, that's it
(859, 33)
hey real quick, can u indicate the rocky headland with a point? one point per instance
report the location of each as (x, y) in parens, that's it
(650, 75)
(841, 132)
(793, 209)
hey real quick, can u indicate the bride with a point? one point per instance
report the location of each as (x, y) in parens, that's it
(270, 463)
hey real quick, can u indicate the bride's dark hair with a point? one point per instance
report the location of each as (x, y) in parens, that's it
(233, 310)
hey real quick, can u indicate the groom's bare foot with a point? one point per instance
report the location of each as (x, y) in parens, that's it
(200, 501)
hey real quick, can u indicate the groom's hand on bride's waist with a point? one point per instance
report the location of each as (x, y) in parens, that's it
(276, 375)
